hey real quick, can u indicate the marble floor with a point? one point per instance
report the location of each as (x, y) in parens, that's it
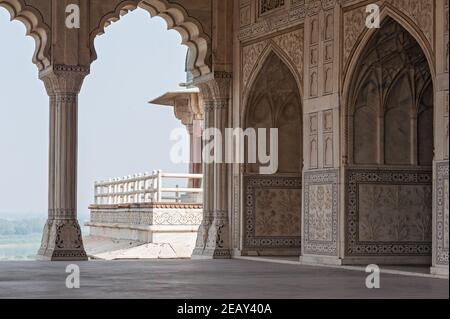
(236, 279)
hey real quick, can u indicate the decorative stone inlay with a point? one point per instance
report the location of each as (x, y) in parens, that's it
(272, 212)
(148, 216)
(320, 213)
(388, 212)
(442, 213)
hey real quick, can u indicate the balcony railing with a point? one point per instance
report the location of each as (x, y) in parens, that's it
(147, 188)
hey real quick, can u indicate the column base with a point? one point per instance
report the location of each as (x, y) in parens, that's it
(213, 237)
(62, 241)
(439, 271)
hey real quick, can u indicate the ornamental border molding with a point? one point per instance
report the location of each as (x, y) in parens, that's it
(327, 177)
(441, 177)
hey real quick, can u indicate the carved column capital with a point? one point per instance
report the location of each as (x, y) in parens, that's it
(215, 87)
(63, 79)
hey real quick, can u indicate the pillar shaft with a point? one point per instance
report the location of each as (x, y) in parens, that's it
(62, 238)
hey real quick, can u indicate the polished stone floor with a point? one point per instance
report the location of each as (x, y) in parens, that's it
(237, 279)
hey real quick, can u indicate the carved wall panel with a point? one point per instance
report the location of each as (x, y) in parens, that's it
(389, 212)
(272, 211)
(320, 230)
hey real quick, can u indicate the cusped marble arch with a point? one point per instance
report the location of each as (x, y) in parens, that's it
(177, 18)
(35, 26)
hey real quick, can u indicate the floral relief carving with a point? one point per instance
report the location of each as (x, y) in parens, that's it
(250, 55)
(278, 212)
(400, 213)
(148, 216)
(320, 213)
(389, 212)
(420, 12)
(292, 44)
(272, 212)
(354, 24)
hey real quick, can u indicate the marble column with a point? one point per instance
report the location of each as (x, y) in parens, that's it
(213, 240)
(62, 239)
(208, 186)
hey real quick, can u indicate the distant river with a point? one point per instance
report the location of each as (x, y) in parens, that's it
(22, 247)
(19, 247)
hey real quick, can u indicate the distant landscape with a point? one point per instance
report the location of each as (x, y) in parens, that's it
(20, 239)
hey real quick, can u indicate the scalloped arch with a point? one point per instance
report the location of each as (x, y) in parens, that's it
(177, 18)
(35, 26)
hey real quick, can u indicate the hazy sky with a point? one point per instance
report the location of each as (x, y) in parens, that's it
(119, 132)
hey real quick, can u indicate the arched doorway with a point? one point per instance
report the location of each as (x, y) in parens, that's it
(390, 147)
(272, 203)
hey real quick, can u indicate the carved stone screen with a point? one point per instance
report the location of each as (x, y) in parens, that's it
(269, 5)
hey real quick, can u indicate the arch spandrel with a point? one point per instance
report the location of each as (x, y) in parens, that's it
(268, 48)
(191, 20)
(36, 16)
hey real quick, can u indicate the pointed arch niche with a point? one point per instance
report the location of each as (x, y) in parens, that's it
(390, 147)
(273, 202)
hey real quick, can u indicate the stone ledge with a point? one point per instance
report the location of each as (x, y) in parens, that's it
(147, 205)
